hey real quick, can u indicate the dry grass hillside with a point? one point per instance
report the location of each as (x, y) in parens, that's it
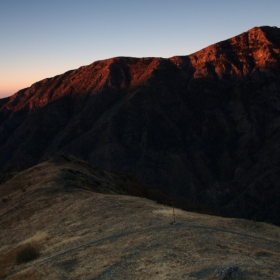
(83, 227)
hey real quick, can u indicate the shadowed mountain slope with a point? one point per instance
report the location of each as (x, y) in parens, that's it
(204, 126)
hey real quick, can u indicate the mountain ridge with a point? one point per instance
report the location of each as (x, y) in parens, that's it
(256, 33)
(204, 126)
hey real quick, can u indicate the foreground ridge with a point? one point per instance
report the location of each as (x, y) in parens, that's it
(81, 233)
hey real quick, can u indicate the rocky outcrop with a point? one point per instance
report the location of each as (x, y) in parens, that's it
(204, 126)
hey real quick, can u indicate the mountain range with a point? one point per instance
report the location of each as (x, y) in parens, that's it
(203, 126)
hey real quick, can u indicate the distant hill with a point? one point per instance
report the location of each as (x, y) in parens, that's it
(203, 126)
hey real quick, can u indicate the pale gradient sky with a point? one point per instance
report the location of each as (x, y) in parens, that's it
(41, 39)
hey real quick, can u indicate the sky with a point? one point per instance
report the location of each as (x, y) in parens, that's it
(40, 39)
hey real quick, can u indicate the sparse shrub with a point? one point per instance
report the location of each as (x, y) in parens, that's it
(229, 272)
(27, 253)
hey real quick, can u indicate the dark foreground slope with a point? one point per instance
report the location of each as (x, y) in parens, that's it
(205, 126)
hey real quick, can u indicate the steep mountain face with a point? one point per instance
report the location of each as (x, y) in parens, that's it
(205, 126)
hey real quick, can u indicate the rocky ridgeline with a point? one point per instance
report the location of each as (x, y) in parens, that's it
(204, 126)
